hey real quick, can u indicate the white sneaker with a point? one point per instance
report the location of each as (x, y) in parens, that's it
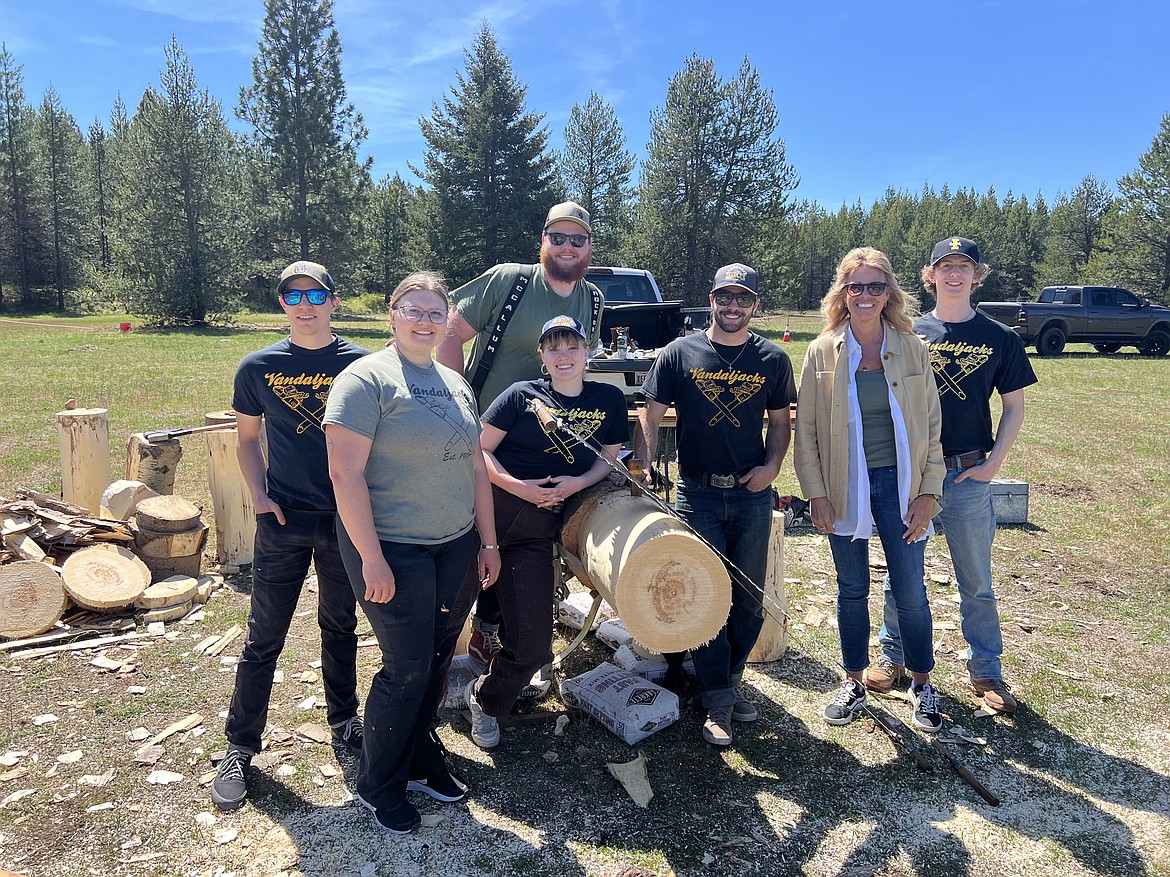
(485, 730)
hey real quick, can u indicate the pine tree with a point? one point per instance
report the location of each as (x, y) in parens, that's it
(595, 169)
(1138, 234)
(19, 240)
(488, 164)
(100, 162)
(305, 136)
(67, 186)
(181, 219)
(715, 183)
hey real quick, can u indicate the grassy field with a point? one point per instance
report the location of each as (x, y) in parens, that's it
(1083, 769)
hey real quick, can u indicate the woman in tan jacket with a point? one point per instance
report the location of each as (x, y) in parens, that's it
(868, 456)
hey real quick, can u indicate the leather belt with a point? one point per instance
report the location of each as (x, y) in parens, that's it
(964, 461)
(707, 479)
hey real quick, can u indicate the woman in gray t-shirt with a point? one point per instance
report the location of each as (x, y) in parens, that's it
(412, 492)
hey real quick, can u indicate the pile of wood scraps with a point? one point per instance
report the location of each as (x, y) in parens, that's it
(38, 527)
(56, 555)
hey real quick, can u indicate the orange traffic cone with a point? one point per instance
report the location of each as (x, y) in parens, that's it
(787, 334)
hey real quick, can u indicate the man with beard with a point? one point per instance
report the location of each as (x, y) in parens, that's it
(721, 381)
(554, 287)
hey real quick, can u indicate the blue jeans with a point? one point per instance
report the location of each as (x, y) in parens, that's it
(907, 588)
(412, 635)
(280, 563)
(968, 522)
(737, 522)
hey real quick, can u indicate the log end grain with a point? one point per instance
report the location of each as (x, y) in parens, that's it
(32, 598)
(104, 577)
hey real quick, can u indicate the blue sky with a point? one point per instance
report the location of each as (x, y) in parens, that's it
(1027, 96)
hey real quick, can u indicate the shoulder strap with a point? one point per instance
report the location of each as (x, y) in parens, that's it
(502, 320)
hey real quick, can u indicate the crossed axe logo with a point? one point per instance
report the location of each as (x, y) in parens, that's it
(295, 399)
(967, 365)
(713, 392)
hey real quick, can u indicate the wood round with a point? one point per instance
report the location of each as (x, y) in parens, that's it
(167, 514)
(101, 577)
(32, 598)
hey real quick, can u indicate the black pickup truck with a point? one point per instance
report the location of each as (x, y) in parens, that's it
(1107, 317)
(634, 304)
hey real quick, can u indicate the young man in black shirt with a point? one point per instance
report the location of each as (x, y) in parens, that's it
(972, 357)
(283, 388)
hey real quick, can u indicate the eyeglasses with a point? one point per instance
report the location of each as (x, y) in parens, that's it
(874, 289)
(557, 239)
(414, 315)
(292, 297)
(743, 299)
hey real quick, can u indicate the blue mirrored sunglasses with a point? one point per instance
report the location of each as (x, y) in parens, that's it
(292, 297)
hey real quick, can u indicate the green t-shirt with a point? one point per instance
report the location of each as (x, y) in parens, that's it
(424, 427)
(480, 301)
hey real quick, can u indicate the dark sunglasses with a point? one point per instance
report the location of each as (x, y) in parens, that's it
(743, 299)
(874, 289)
(557, 239)
(292, 297)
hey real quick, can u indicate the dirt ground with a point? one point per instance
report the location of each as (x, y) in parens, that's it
(1083, 769)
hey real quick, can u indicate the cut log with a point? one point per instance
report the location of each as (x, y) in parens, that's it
(167, 613)
(182, 543)
(773, 639)
(83, 436)
(32, 598)
(235, 514)
(165, 567)
(169, 592)
(153, 463)
(672, 592)
(167, 514)
(104, 577)
(120, 498)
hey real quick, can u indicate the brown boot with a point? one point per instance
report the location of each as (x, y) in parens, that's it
(995, 693)
(883, 675)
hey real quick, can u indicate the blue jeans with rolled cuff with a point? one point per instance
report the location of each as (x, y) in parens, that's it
(281, 559)
(736, 521)
(416, 651)
(967, 520)
(906, 565)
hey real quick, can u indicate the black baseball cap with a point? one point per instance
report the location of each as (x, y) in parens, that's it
(954, 247)
(736, 274)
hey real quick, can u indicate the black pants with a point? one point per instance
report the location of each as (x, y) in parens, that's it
(280, 563)
(416, 652)
(525, 593)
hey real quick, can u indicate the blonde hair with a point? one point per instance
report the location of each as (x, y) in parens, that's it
(928, 277)
(899, 311)
(427, 281)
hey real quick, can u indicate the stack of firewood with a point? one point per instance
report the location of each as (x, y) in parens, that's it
(55, 554)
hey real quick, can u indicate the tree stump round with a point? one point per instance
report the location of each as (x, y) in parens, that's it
(32, 598)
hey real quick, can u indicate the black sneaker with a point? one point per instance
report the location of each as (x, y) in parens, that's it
(397, 818)
(350, 734)
(845, 706)
(441, 785)
(229, 788)
(925, 701)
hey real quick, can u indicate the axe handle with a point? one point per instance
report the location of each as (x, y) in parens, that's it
(157, 434)
(968, 777)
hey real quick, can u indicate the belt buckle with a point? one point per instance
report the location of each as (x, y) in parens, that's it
(725, 482)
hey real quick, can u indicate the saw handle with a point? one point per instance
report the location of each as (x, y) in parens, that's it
(548, 420)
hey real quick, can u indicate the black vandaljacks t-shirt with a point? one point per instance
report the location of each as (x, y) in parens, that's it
(720, 398)
(527, 452)
(288, 386)
(970, 360)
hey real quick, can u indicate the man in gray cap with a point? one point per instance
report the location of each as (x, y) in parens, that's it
(721, 381)
(504, 310)
(283, 389)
